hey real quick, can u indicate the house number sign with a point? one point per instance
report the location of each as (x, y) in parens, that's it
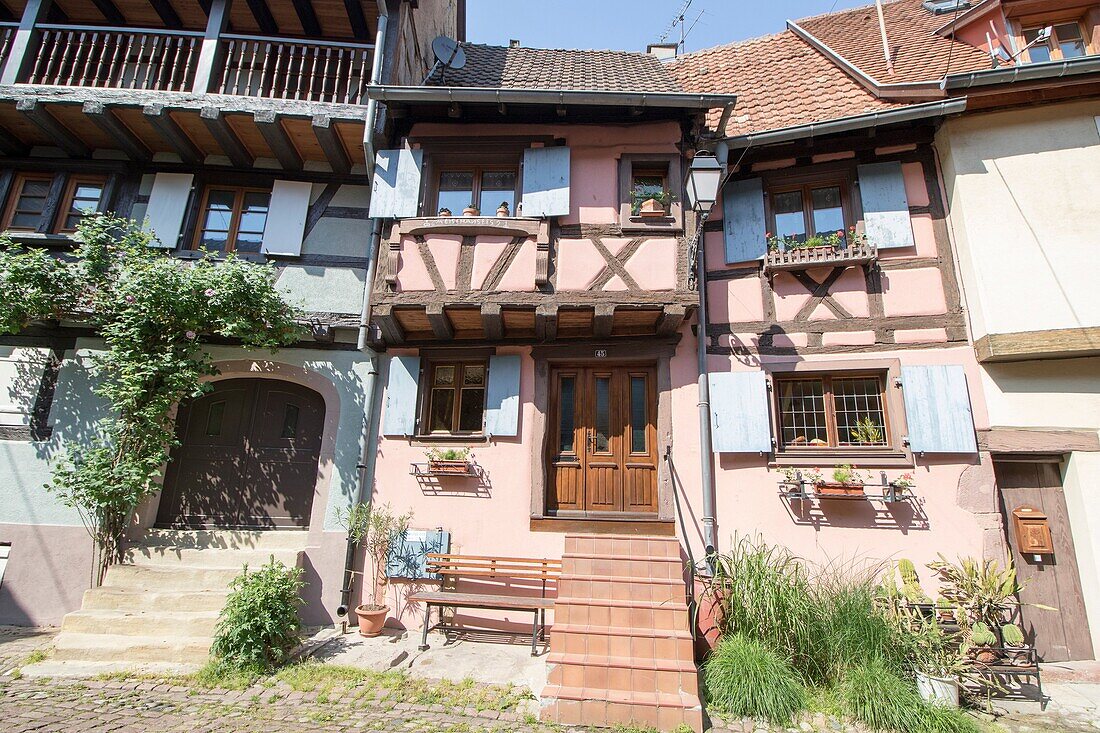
(601, 353)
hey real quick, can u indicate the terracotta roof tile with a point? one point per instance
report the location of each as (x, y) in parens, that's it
(543, 68)
(780, 81)
(918, 54)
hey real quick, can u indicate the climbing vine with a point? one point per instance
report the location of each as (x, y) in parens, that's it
(154, 313)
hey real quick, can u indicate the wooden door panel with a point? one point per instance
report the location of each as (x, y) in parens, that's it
(603, 464)
(565, 445)
(1052, 580)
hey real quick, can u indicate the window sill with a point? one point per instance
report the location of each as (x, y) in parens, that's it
(194, 254)
(22, 236)
(448, 439)
(471, 225)
(834, 456)
(656, 223)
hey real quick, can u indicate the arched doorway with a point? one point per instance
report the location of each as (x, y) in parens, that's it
(248, 457)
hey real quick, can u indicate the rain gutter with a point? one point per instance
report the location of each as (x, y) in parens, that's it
(1023, 72)
(583, 97)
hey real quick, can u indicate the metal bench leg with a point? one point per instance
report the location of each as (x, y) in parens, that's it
(427, 624)
(535, 635)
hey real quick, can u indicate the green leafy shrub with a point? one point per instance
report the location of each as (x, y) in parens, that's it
(873, 694)
(744, 677)
(258, 628)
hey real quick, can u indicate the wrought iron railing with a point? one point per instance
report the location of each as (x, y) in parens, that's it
(280, 69)
(119, 59)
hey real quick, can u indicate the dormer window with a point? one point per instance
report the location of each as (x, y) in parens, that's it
(1066, 41)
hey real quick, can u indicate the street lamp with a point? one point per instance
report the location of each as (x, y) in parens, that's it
(704, 175)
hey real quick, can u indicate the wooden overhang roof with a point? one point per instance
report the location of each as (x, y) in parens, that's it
(80, 120)
(350, 20)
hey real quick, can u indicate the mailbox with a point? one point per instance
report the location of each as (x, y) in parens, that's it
(1032, 531)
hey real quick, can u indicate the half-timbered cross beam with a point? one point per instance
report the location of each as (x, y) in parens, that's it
(819, 294)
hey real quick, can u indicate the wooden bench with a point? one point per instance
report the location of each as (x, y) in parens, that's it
(470, 566)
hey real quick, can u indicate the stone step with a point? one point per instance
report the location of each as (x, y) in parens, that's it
(622, 641)
(209, 557)
(115, 647)
(226, 539)
(615, 613)
(662, 590)
(631, 567)
(167, 623)
(169, 578)
(124, 599)
(620, 546)
(620, 708)
(600, 672)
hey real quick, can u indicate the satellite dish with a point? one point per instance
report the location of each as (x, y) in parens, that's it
(448, 55)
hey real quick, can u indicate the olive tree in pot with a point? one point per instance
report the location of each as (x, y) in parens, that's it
(375, 529)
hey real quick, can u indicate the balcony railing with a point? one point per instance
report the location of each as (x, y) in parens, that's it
(131, 59)
(280, 69)
(7, 33)
(147, 59)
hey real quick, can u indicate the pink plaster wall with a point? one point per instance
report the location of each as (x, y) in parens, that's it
(48, 570)
(584, 261)
(520, 275)
(486, 253)
(444, 250)
(653, 266)
(412, 273)
(913, 292)
(731, 301)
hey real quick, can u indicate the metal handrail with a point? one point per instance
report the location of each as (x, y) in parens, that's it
(117, 29)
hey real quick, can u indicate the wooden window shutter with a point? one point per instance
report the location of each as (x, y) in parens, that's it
(937, 408)
(885, 205)
(395, 188)
(546, 182)
(502, 396)
(286, 218)
(739, 414)
(408, 556)
(743, 220)
(401, 388)
(167, 207)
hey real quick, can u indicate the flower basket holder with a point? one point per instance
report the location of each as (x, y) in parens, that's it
(803, 258)
(449, 467)
(829, 489)
(886, 492)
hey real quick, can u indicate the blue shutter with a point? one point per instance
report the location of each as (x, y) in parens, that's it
(408, 556)
(395, 188)
(502, 396)
(168, 207)
(743, 220)
(286, 218)
(400, 418)
(739, 416)
(546, 182)
(937, 408)
(885, 205)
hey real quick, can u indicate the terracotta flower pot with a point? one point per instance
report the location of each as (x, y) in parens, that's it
(471, 211)
(985, 655)
(448, 466)
(503, 212)
(371, 619)
(651, 208)
(836, 488)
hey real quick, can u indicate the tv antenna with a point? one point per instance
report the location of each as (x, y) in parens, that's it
(448, 55)
(680, 21)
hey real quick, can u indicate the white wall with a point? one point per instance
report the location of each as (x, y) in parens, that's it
(1024, 193)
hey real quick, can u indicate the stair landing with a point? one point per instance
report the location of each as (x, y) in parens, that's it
(621, 650)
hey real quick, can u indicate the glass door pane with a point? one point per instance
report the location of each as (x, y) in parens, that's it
(603, 415)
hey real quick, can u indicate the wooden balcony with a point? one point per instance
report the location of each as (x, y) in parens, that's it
(162, 60)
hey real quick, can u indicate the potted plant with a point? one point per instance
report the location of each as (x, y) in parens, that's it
(449, 460)
(652, 205)
(502, 210)
(910, 584)
(1016, 652)
(471, 210)
(940, 663)
(866, 432)
(983, 644)
(847, 481)
(379, 529)
(445, 212)
(945, 611)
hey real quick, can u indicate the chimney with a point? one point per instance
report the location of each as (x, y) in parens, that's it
(513, 43)
(663, 51)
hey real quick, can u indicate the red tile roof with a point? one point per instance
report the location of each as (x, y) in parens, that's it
(780, 81)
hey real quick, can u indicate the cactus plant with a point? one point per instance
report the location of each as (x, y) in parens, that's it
(1012, 635)
(910, 583)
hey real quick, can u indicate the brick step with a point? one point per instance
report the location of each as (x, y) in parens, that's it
(124, 599)
(622, 642)
(113, 647)
(631, 661)
(578, 706)
(607, 612)
(225, 539)
(169, 578)
(623, 673)
(661, 590)
(619, 567)
(209, 557)
(164, 623)
(622, 546)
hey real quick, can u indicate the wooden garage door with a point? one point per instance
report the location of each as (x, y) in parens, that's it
(247, 457)
(1050, 580)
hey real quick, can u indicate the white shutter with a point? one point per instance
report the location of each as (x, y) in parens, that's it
(937, 409)
(546, 182)
(395, 188)
(502, 396)
(739, 415)
(167, 207)
(286, 218)
(401, 389)
(885, 205)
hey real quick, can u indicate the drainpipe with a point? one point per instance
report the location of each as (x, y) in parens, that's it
(706, 455)
(366, 462)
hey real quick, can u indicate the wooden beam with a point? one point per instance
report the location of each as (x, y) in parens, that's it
(10, 145)
(492, 321)
(330, 144)
(110, 11)
(310, 25)
(546, 322)
(168, 14)
(357, 19)
(212, 50)
(1037, 440)
(602, 320)
(264, 18)
(277, 139)
(227, 140)
(441, 325)
(157, 116)
(1057, 343)
(392, 333)
(672, 317)
(44, 121)
(127, 141)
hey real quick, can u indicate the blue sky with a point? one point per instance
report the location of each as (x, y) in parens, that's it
(631, 24)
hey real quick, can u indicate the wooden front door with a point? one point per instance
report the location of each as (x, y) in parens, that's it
(602, 446)
(1052, 580)
(247, 457)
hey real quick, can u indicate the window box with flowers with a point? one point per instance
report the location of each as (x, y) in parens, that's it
(821, 250)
